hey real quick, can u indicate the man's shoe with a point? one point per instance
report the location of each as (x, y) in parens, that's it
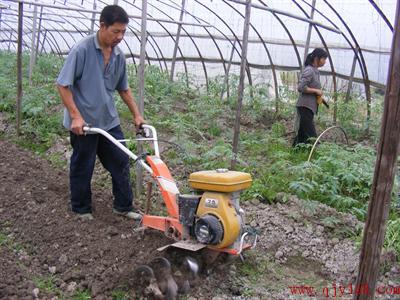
(128, 214)
(86, 217)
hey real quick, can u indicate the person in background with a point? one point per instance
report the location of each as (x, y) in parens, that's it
(94, 69)
(309, 88)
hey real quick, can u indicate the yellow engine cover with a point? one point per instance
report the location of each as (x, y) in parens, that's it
(219, 205)
(220, 180)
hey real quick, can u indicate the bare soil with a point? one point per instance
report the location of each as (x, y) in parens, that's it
(45, 244)
(46, 252)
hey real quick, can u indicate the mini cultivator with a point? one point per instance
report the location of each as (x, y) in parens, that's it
(209, 219)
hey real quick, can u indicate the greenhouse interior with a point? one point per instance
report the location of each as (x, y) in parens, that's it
(219, 85)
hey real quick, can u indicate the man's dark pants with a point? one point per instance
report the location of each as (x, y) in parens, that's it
(85, 149)
(306, 126)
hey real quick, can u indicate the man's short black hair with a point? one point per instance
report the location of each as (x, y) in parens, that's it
(113, 14)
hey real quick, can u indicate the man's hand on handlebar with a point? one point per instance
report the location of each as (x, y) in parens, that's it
(139, 121)
(77, 125)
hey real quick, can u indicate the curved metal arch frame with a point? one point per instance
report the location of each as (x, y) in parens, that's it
(380, 12)
(266, 50)
(55, 40)
(171, 36)
(28, 25)
(163, 60)
(56, 44)
(9, 37)
(13, 33)
(289, 35)
(194, 43)
(236, 38)
(73, 38)
(211, 36)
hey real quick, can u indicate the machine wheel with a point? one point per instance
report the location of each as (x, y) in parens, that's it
(208, 230)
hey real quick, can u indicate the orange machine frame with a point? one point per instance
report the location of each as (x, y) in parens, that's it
(170, 225)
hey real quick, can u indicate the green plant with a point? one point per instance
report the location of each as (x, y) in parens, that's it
(46, 284)
(330, 221)
(3, 239)
(82, 295)
(119, 294)
(392, 238)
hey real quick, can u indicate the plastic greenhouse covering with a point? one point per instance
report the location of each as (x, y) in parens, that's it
(355, 32)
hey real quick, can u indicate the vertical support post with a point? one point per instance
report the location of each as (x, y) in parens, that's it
(141, 69)
(44, 40)
(19, 66)
(38, 32)
(178, 35)
(243, 65)
(93, 18)
(33, 47)
(9, 41)
(226, 80)
(115, 2)
(369, 101)
(385, 168)
(307, 45)
(335, 98)
(353, 70)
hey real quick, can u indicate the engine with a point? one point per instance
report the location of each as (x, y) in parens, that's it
(212, 215)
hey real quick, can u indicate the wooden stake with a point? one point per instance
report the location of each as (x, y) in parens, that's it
(307, 46)
(241, 83)
(226, 80)
(19, 66)
(350, 83)
(178, 35)
(143, 40)
(385, 167)
(32, 58)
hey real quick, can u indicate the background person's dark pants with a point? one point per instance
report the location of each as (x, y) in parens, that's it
(306, 126)
(85, 148)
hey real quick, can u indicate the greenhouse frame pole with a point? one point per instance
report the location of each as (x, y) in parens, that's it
(93, 17)
(178, 35)
(44, 40)
(19, 66)
(9, 42)
(350, 83)
(38, 33)
(285, 13)
(226, 80)
(33, 46)
(385, 169)
(243, 64)
(83, 10)
(141, 69)
(307, 46)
